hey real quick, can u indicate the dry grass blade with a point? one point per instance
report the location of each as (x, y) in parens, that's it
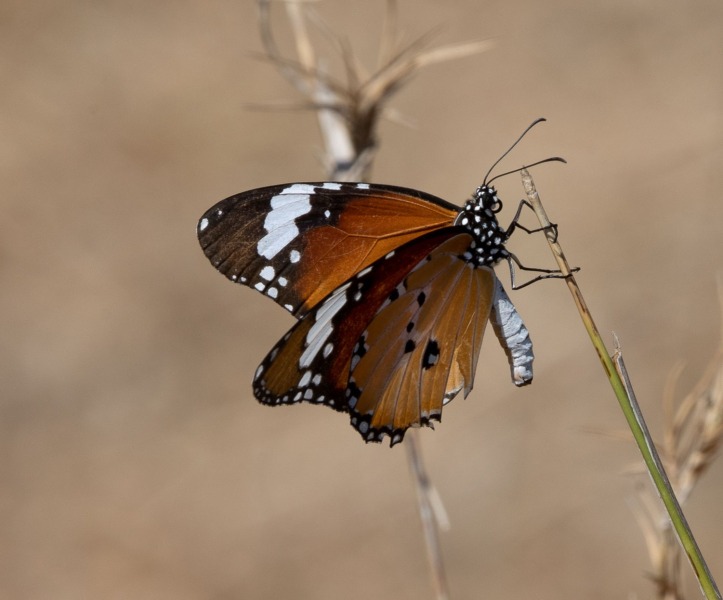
(304, 47)
(289, 70)
(452, 52)
(388, 38)
(707, 425)
(413, 58)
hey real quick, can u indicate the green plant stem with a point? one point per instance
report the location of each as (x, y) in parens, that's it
(629, 406)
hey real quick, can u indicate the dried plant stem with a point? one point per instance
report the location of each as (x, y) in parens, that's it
(629, 407)
(429, 513)
(694, 432)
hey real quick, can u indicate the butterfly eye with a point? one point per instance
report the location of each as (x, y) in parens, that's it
(486, 197)
(492, 201)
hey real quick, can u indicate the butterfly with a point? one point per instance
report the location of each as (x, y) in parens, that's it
(391, 287)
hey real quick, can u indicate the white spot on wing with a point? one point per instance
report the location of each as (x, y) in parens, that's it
(294, 256)
(267, 273)
(260, 286)
(331, 185)
(272, 292)
(299, 188)
(305, 379)
(283, 281)
(362, 186)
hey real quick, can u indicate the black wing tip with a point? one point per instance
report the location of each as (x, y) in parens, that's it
(216, 213)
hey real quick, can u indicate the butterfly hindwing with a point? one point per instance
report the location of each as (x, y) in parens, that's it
(313, 361)
(421, 347)
(296, 243)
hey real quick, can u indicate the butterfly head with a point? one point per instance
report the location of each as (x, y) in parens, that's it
(486, 198)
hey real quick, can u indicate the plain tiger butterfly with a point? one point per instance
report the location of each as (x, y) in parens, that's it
(392, 289)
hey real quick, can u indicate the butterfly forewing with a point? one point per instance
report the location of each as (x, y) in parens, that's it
(422, 345)
(312, 362)
(296, 243)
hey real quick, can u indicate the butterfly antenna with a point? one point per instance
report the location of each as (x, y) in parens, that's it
(534, 164)
(517, 141)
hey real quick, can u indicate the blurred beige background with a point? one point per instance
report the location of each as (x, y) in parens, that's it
(135, 461)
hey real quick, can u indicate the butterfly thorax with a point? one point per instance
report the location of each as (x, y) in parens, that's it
(479, 216)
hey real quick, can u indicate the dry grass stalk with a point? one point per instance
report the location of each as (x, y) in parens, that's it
(692, 436)
(432, 515)
(349, 109)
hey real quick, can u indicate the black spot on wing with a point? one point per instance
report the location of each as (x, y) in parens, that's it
(431, 354)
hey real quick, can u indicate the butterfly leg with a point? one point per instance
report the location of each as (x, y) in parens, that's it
(515, 223)
(512, 260)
